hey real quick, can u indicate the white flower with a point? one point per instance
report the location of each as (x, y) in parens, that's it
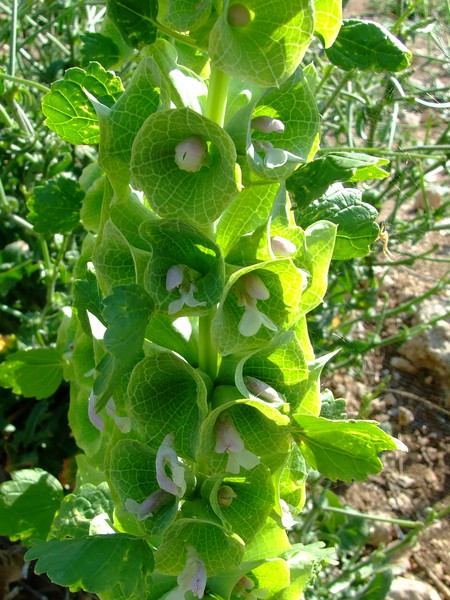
(178, 276)
(267, 125)
(190, 154)
(123, 423)
(94, 417)
(166, 457)
(274, 157)
(263, 390)
(145, 509)
(280, 246)
(228, 440)
(251, 288)
(192, 578)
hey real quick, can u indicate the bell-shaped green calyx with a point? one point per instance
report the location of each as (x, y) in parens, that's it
(167, 396)
(185, 271)
(244, 501)
(183, 15)
(197, 196)
(258, 303)
(274, 374)
(239, 435)
(215, 546)
(261, 42)
(283, 127)
(132, 475)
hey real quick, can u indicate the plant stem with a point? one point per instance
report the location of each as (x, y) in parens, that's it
(216, 105)
(27, 82)
(217, 96)
(13, 40)
(355, 513)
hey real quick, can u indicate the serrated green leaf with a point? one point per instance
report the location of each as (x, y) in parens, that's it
(55, 206)
(267, 49)
(77, 510)
(28, 504)
(99, 48)
(68, 111)
(356, 221)
(344, 450)
(175, 243)
(368, 46)
(135, 20)
(132, 475)
(166, 395)
(96, 563)
(197, 197)
(218, 548)
(183, 15)
(311, 181)
(35, 373)
(328, 20)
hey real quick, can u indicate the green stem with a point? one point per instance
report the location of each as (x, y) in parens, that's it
(337, 91)
(27, 82)
(216, 105)
(217, 96)
(355, 513)
(13, 40)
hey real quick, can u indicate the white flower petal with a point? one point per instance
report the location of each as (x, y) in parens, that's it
(255, 286)
(174, 277)
(94, 417)
(267, 125)
(190, 154)
(268, 323)
(281, 246)
(175, 306)
(250, 322)
(166, 455)
(228, 438)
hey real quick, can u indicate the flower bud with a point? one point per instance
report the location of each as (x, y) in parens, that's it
(261, 389)
(267, 125)
(225, 496)
(174, 277)
(255, 287)
(239, 15)
(190, 154)
(282, 247)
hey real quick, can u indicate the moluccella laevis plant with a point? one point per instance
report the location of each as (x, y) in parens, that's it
(211, 222)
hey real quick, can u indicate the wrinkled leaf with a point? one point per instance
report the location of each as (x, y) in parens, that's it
(356, 221)
(368, 46)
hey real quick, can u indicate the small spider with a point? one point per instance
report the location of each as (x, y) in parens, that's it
(384, 238)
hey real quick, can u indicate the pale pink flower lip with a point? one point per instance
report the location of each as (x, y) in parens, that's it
(267, 125)
(228, 440)
(145, 509)
(167, 457)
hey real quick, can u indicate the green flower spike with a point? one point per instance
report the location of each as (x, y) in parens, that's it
(167, 457)
(145, 509)
(192, 578)
(190, 154)
(179, 276)
(228, 440)
(250, 290)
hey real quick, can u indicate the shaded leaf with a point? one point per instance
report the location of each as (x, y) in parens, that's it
(135, 20)
(55, 206)
(28, 504)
